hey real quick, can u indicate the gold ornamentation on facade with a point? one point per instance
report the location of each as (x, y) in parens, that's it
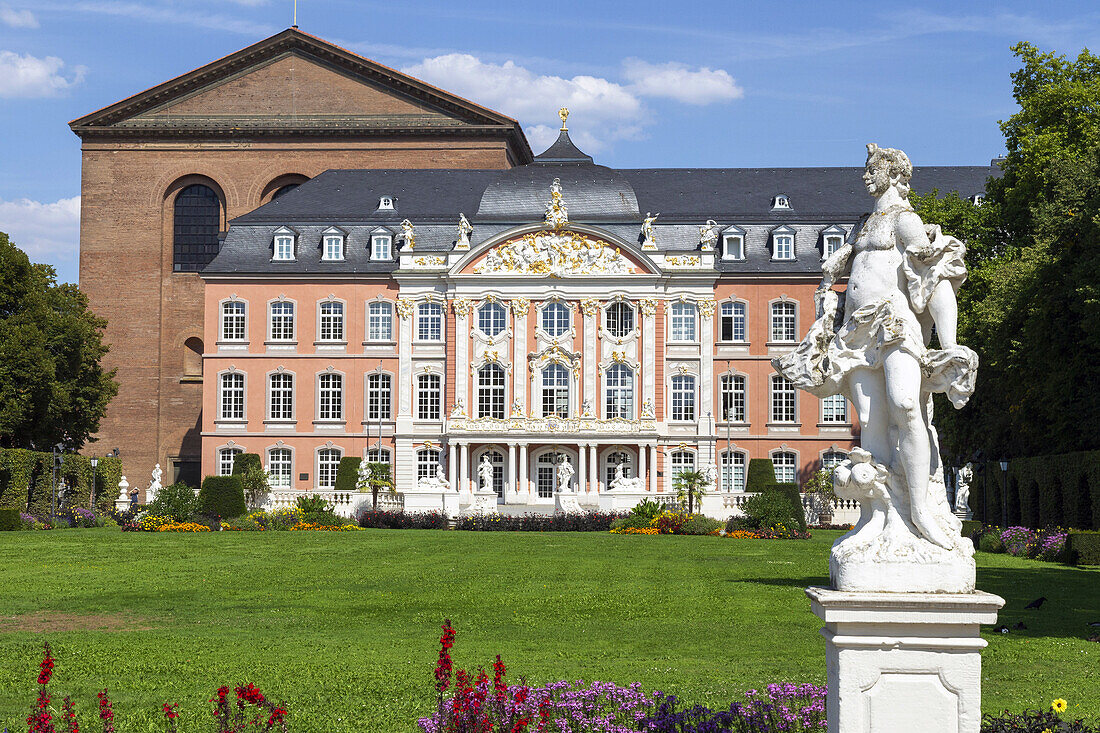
(706, 308)
(564, 114)
(647, 408)
(554, 425)
(590, 307)
(430, 261)
(555, 254)
(429, 444)
(557, 214)
(520, 306)
(462, 306)
(648, 306)
(619, 357)
(405, 308)
(684, 261)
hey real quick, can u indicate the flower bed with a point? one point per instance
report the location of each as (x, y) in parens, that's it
(182, 527)
(391, 519)
(564, 522)
(778, 532)
(1044, 544)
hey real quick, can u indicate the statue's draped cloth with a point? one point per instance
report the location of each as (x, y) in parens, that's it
(834, 347)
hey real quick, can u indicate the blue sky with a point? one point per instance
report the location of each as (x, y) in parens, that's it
(650, 84)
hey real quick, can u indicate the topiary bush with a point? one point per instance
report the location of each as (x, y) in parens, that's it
(10, 520)
(761, 473)
(222, 497)
(798, 513)
(700, 524)
(770, 509)
(347, 473)
(1083, 548)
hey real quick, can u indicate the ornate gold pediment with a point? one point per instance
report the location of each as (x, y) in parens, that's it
(555, 254)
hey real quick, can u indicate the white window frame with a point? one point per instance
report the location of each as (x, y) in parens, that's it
(232, 415)
(334, 467)
(778, 331)
(271, 335)
(429, 407)
(332, 245)
(385, 203)
(380, 396)
(832, 458)
(384, 319)
(495, 316)
(733, 306)
(610, 465)
(335, 398)
(678, 464)
(781, 201)
(784, 466)
(740, 412)
(682, 318)
(731, 479)
(492, 398)
(427, 462)
(681, 409)
(239, 321)
(830, 236)
(834, 410)
(225, 467)
(733, 244)
(783, 236)
(271, 414)
(555, 390)
(381, 247)
(424, 316)
(326, 321)
(284, 245)
(555, 321)
(616, 305)
(276, 476)
(782, 401)
(379, 454)
(622, 408)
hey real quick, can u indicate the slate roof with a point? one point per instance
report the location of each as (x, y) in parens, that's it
(614, 199)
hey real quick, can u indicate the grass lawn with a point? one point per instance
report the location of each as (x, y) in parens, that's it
(344, 627)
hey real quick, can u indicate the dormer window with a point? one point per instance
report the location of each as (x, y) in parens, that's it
(781, 201)
(385, 203)
(783, 243)
(733, 244)
(832, 239)
(381, 246)
(283, 247)
(977, 199)
(332, 245)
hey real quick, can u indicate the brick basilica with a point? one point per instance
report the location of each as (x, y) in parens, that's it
(306, 255)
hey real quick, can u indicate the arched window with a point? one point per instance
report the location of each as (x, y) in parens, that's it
(732, 322)
(683, 397)
(192, 357)
(380, 321)
(496, 459)
(782, 399)
(225, 460)
(613, 461)
(733, 471)
(233, 326)
(282, 321)
(683, 321)
(733, 398)
(783, 328)
(280, 467)
(429, 322)
(428, 397)
(619, 319)
(682, 460)
(379, 391)
(330, 397)
(196, 221)
(427, 463)
(834, 409)
(491, 318)
(379, 455)
(490, 391)
(555, 391)
(546, 474)
(620, 392)
(328, 461)
(332, 321)
(784, 462)
(833, 458)
(280, 396)
(555, 319)
(231, 399)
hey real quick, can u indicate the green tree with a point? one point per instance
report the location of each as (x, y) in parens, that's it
(376, 478)
(53, 388)
(690, 488)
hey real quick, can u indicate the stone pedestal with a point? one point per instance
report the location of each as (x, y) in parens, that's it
(904, 662)
(964, 515)
(485, 502)
(567, 502)
(432, 501)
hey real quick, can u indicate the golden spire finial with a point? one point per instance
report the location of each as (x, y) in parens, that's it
(564, 114)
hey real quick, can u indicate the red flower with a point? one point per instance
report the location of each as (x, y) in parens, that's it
(106, 714)
(46, 666)
(499, 687)
(443, 667)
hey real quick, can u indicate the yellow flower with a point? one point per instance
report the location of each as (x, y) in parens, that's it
(1059, 705)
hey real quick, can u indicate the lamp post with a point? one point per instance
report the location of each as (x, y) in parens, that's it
(91, 496)
(1004, 492)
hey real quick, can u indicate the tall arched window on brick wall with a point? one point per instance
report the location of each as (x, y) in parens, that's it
(192, 359)
(196, 222)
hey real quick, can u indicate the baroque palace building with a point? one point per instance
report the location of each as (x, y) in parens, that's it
(574, 327)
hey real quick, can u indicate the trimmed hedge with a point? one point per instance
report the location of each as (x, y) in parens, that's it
(761, 474)
(26, 475)
(10, 520)
(347, 473)
(244, 461)
(1041, 491)
(1084, 548)
(384, 519)
(222, 497)
(970, 528)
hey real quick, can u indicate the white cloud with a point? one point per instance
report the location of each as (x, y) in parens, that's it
(29, 76)
(47, 232)
(17, 18)
(681, 83)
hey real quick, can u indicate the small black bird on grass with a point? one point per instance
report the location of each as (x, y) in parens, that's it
(1036, 603)
(1002, 629)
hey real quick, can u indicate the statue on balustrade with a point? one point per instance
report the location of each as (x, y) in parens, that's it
(622, 482)
(432, 484)
(485, 474)
(873, 343)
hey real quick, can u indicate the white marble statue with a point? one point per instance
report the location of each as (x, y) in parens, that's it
(962, 488)
(649, 235)
(557, 214)
(408, 235)
(485, 474)
(559, 253)
(710, 473)
(708, 236)
(362, 478)
(902, 278)
(565, 474)
(622, 482)
(464, 230)
(154, 484)
(459, 409)
(435, 483)
(586, 408)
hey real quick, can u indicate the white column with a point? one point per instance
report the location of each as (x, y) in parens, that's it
(465, 467)
(519, 357)
(649, 361)
(511, 485)
(582, 477)
(641, 463)
(452, 465)
(591, 361)
(404, 361)
(462, 360)
(593, 470)
(523, 487)
(653, 470)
